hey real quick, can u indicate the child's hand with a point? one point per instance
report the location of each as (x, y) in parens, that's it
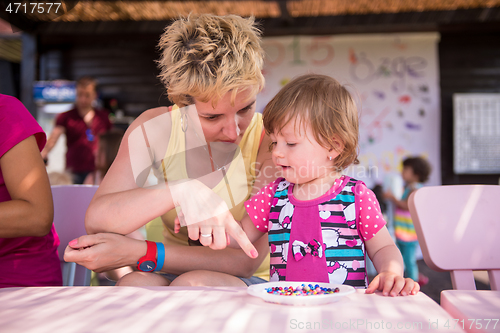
(393, 284)
(177, 225)
(389, 196)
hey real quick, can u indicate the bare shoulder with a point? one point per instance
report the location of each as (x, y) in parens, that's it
(133, 155)
(148, 115)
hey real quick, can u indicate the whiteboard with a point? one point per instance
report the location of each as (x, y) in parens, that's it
(476, 133)
(395, 78)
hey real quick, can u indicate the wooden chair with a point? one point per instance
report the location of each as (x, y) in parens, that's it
(70, 205)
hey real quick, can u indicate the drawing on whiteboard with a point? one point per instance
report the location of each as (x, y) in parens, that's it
(398, 44)
(400, 69)
(375, 127)
(421, 92)
(412, 126)
(274, 53)
(352, 56)
(405, 99)
(379, 94)
(284, 81)
(321, 46)
(396, 80)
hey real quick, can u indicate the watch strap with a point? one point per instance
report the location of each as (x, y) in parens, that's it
(150, 255)
(160, 248)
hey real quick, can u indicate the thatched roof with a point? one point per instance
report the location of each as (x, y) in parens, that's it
(277, 17)
(87, 11)
(165, 10)
(10, 43)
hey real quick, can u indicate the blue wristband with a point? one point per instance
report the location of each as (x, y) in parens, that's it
(161, 256)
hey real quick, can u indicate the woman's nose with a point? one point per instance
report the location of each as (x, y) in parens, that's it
(232, 128)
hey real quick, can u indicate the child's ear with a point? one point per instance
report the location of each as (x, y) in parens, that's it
(338, 144)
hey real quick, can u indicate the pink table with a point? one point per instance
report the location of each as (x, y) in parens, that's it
(207, 309)
(475, 310)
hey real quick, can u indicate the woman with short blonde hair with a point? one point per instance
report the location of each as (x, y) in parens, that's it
(213, 63)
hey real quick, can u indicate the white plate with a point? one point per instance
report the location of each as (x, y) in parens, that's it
(259, 290)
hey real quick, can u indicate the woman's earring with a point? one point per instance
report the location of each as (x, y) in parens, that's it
(330, 158)
(184, 122)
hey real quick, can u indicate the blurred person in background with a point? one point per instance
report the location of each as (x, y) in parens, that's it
(107, 148)
(416, 171)
(82, 126)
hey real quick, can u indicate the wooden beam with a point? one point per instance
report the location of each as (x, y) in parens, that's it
(28, 72)
(285, 14)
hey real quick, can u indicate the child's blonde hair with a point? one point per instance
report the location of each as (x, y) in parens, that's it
(323, 103)
(206, 56)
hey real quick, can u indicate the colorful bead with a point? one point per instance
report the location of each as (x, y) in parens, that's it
(302, 290)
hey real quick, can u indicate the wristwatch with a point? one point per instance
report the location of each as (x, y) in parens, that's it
(148, 262)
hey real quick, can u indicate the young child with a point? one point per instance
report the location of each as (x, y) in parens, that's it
(107, 149)
(416, 171)
(320, 222)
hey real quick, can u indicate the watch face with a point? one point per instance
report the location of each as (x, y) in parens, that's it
(147, 266)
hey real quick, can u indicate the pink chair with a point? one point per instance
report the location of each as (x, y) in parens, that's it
(458, 229)
(70, 205)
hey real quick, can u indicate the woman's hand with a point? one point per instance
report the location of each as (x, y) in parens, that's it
(105, 251)
(207, 216)
(392, 284)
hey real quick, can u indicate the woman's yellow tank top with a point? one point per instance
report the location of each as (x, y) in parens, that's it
(176, 169)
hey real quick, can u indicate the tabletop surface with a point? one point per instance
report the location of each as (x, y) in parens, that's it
(479, 309)
(208, 309)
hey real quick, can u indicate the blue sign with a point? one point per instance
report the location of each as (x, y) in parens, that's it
(54, 91)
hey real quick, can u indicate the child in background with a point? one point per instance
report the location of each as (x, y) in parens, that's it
(107, 149)
(416, 170)
(319, 222)
(379, 194)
